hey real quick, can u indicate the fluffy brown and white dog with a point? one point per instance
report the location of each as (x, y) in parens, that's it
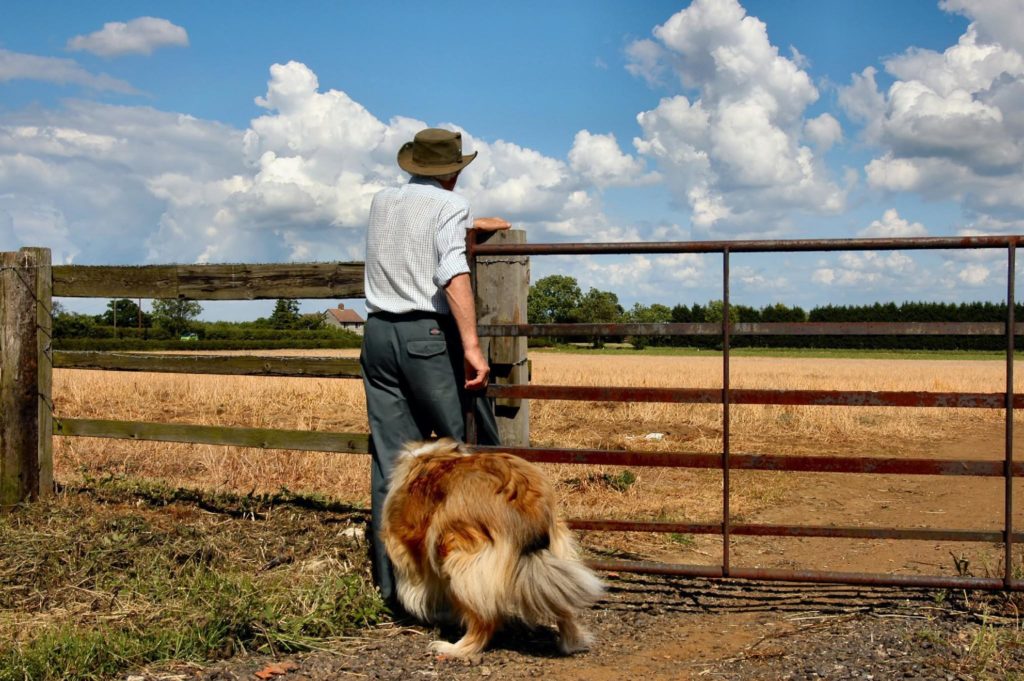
(478, 536)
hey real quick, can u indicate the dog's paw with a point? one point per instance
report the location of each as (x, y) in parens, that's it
(444, 649)
(574, 639)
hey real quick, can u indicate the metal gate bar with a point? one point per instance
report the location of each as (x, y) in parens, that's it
(726, 400)
(726, 396)
(807, 398)
(750, 530)
(1011, 259)
(766, 462)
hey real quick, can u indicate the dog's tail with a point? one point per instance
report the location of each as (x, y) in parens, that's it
(551, 583)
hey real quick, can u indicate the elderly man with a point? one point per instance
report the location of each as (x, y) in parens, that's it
(421, 356)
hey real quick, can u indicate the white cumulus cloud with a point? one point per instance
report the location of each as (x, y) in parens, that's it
(599, 159)
(734, 153)
(138, 36)
(111, 184)
(869, 270)
(893, 226)
(78, 179)
(974, 274)
(823, 131)
(951, 124)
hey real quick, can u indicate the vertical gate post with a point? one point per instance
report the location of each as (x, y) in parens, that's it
(1011, 303)
(502, 286)
(26, 428)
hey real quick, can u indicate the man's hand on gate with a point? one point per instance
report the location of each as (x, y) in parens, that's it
(491, 224)
(477, 369)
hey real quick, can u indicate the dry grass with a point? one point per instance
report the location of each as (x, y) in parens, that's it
(338, 405)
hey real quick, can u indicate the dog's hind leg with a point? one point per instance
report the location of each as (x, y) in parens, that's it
(572, 638)
(478, 634)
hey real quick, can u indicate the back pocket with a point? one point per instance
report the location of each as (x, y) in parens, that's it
(426, 348)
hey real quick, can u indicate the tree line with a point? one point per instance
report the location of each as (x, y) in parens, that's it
(559, 299)
(174, 323)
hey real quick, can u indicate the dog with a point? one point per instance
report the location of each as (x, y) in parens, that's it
(477, 536)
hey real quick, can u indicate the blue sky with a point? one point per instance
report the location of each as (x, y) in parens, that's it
(146, 132)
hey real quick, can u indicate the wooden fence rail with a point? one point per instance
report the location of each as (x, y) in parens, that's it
(211, 282)
(29, 283)
(232, 365)
(261, 438)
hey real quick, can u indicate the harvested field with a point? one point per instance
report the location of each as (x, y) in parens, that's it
(602, 492)
(337, 405)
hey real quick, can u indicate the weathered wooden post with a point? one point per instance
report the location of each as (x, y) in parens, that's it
(26, 375)
(502, 285)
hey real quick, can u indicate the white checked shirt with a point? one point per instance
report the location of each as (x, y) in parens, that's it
(415, 244)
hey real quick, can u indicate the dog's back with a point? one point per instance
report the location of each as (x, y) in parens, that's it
(479, 533)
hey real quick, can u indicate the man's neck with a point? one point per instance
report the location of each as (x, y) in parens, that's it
(443, 184)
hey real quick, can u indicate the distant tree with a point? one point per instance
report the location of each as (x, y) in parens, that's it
(123, 312)
(175, 314)
(554, 300)
(600, 307)
(779, 312)
(653, 314)
(746, 314)
(311, 321)
(715, 310)
(73, 324)
(681, 314)
(286, 314)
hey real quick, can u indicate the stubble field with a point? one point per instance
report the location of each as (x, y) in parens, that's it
(595, 492)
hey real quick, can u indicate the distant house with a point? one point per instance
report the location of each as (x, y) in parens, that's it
(343, 318)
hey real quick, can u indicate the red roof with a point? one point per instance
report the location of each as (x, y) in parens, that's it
(345, 316)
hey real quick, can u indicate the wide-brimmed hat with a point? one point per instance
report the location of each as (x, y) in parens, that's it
(434, 151)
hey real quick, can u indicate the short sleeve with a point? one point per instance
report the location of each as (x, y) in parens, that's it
(451, 243)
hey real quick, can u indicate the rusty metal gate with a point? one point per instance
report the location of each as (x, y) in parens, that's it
(726, 396)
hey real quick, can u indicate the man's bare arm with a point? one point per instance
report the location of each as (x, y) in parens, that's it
(491, 224)
(459, 292)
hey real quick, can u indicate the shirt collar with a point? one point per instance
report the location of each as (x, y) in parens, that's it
(422, 179)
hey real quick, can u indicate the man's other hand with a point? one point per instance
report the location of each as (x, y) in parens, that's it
(491, 224)
(477, 369)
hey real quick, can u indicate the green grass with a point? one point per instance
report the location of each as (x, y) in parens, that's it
(824, 353)
(95, 585)
(685, 540)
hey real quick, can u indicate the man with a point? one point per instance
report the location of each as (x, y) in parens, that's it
(421, 356)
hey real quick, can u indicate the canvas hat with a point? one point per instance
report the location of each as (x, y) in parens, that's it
(434, 151)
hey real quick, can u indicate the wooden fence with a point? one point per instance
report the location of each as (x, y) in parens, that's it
(29, 282)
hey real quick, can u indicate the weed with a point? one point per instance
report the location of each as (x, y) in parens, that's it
(685, 540)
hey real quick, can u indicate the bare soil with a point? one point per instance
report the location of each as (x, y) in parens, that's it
(658, 627)
(671, 628)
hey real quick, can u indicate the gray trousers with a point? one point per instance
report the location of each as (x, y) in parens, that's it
(413, 374)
